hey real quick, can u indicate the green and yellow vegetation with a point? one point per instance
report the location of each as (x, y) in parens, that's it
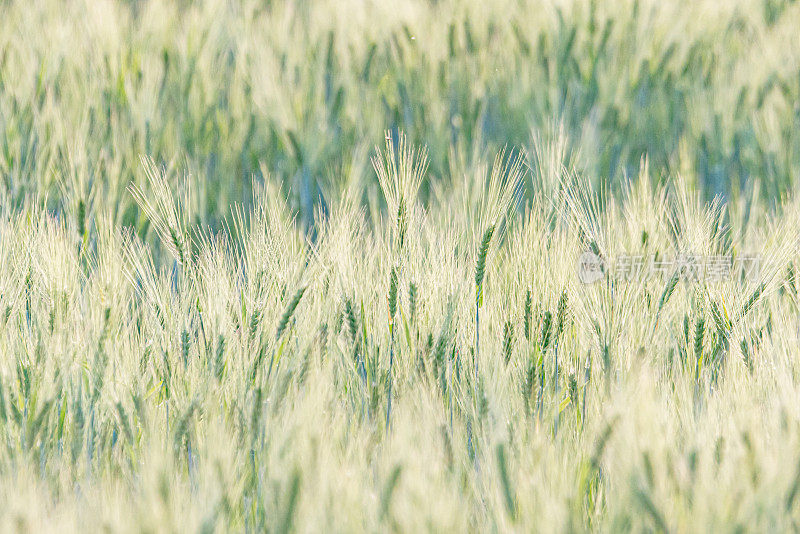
(313, 266)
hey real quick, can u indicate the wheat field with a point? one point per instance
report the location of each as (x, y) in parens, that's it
(446, 266)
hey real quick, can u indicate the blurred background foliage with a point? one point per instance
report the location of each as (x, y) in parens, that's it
(300, 93)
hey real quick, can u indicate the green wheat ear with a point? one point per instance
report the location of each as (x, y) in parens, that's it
(561, 312)
(412, 301)
(81, 218)
(508, 341)
(480, 264)
(392, 295)
(402, 221)
(669, 289)
(287, 314)
(178, 244)
(352, 322)
(528, 314)
(699, 334)
(547, 322)
(752, 300)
